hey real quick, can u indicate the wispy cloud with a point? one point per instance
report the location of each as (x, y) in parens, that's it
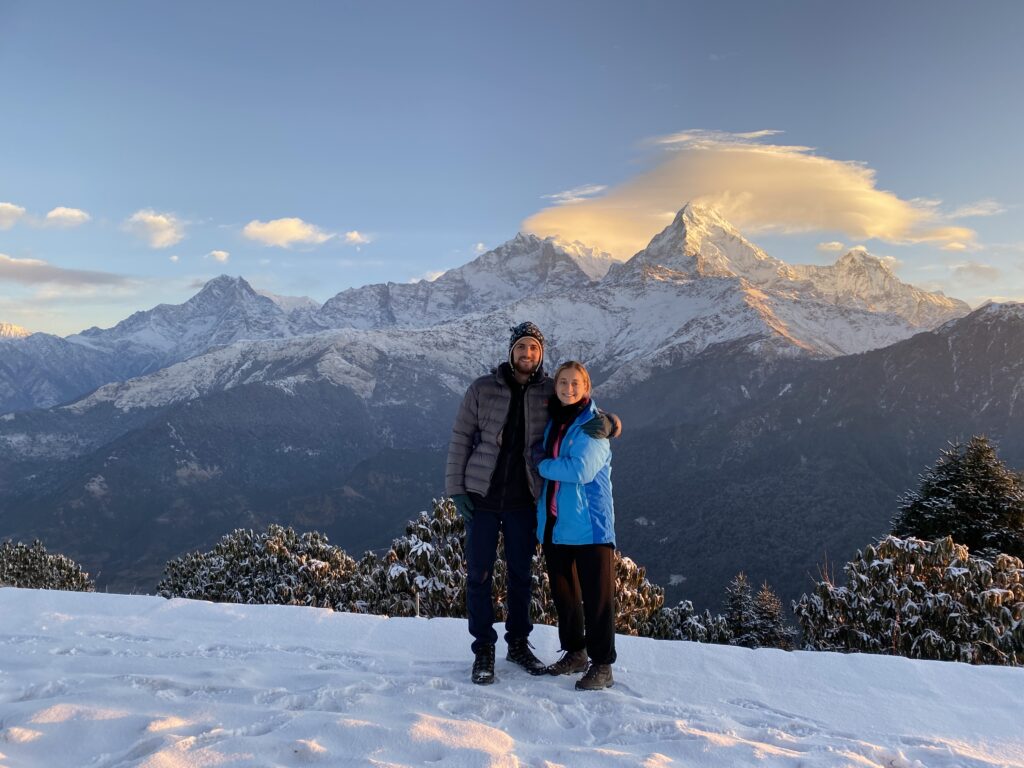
(758, 186)
(66, 218)
(831, 247)
(987, 207)
(10, 214)
(577, 194)
(38, 272)
(160, 230)
(221, 256)
(976, 273)
(285, 232)
(356, 238)
(479, 249)
(175, 258)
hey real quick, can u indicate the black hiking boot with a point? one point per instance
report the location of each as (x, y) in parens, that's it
(483, 666)
(598, 676)
(570, 663)
(519, 653)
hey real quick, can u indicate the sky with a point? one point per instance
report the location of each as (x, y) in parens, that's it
(104, 680)
(146, 148)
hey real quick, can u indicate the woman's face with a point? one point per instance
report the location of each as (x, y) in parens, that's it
(571, 387)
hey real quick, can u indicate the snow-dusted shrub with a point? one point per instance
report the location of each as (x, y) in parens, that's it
(926, 600)
(30, 566)
(680, 622)
(971, 496)
(278, 567)
(637, 600)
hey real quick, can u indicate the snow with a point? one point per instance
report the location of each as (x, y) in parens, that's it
(118, 680)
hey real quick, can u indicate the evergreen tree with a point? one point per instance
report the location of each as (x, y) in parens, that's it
(740, 614)
(32, 567)
(770, 628)
(969, 495)
(927, 600)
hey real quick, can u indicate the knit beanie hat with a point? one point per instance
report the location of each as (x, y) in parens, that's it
(521, 331)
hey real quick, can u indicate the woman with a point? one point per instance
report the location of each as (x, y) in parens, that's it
(576, 517)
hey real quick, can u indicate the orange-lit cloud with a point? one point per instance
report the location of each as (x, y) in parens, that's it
(285, 232)
(66, 217)
(160, 230)
(9, 214)
(758, 186)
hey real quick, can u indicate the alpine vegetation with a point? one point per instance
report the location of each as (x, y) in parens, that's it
(278, 567)
(32, 567)
(423, 574)
(971, 496)
(923, 600)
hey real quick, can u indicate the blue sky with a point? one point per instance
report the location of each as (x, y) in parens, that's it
(311, 147)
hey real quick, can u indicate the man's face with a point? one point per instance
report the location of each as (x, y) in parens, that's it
(526, 355)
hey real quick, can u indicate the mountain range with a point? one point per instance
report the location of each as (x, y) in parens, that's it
(128, 445)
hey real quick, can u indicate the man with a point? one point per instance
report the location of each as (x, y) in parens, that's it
(491, 478)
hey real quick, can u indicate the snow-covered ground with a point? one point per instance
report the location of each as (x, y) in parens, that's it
(94, 680)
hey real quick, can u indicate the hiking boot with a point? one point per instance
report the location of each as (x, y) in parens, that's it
(570, 663)
(519, 653)
(483, 666)
(597, 676)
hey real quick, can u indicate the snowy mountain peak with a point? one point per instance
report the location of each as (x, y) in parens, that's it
(290, 303)
(701, 243)
(858, 279)
(11, 331)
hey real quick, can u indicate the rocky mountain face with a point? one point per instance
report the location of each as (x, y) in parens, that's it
(784, 470)
(337, 417)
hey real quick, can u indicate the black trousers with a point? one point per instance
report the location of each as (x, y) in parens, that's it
(583, 587)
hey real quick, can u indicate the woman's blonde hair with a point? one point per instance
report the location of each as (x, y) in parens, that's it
(576, 366)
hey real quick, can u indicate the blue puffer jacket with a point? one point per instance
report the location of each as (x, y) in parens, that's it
(584, 470)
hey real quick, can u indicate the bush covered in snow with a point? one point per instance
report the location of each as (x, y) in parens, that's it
(925, 600)
(423, 573)
(278, 567)
(32, 567)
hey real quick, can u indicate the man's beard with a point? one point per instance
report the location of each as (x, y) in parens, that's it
(525, 367)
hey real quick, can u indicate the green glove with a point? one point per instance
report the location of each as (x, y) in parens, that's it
(464, 505)
(602, 426)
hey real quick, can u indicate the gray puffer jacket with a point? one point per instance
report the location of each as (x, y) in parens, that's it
(476, 436)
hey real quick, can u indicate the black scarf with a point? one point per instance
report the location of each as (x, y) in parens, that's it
(562, 414)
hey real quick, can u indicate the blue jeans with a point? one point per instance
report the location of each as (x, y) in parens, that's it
(520, 529)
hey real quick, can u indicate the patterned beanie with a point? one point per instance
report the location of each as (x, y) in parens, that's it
(521, 331)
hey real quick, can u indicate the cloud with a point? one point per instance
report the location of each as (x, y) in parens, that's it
(758, 186)
(987, 207)
(67, 217)
(221, 256)
(175, 258)
(831, 247)
(9, 214)
(955, 246)
(285, 232)
(36, 272)
(577, 194)
(161, 230)
(356, 238)
(428, 276)
(976, 273)
(479, 249)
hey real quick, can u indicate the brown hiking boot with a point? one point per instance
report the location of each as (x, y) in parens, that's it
(597, 676)
(570, 663)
